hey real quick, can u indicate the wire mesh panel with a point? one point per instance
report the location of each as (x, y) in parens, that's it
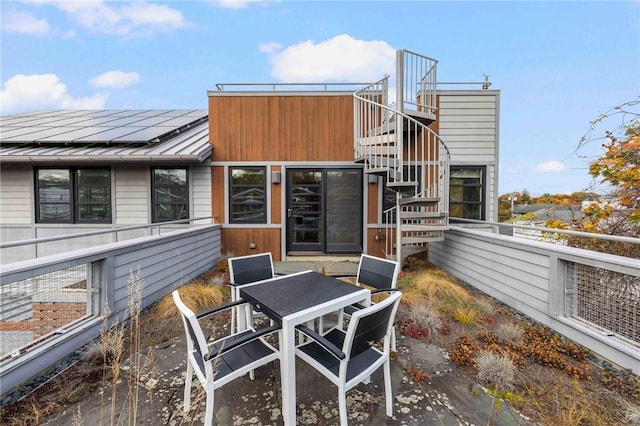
(607, 299)
(38, 308)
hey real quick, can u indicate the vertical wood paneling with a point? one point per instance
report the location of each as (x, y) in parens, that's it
(313, 127)
(236, 241)
(372, 207)
(217, 193)
(276, 197)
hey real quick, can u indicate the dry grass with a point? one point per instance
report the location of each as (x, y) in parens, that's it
(436, 284)
(426, 317)
(492, 345)
(508, 331)
(496, 370)
(197, 295)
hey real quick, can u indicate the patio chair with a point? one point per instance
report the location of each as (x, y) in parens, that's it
(246, 270)
(348, 358)
(219, 362)
(379, 274)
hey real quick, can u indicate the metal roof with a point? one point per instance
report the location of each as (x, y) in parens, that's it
(105, 136)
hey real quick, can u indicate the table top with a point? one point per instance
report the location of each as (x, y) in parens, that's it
(294, 293)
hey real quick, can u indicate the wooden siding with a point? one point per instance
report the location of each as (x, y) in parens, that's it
(16, 197)
(218, 192)
(316, 127)
(201, 191)
(132, 194)
(276, 196)
(235, 241)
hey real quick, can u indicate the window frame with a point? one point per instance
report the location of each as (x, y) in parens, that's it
(483, 191)
(154, 202)
(263, 218)
(74, 197)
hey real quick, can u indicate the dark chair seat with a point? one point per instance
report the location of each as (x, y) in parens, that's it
(349, 357)
(218, 363)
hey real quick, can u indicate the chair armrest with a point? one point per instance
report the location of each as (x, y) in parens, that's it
(384, 290)
(220, 308)
(330, 347)
(242, 340)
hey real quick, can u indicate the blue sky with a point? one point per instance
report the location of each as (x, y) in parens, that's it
(558, 65)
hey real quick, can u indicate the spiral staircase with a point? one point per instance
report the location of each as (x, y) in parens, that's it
(394, 142)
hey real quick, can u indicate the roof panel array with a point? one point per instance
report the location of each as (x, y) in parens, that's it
(96, 126)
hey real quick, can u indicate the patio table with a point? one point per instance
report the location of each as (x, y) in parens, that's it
(293, 300)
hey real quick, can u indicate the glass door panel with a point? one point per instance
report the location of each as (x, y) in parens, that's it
(304, 210)
(344, 210)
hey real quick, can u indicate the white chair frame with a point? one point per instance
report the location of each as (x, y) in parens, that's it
(327, 341)
(205, 358)
(382, 280)
(240, 275)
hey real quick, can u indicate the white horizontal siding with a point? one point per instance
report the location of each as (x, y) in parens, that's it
(468, 125)
(16, 202)
(201, 191)
(132, 192)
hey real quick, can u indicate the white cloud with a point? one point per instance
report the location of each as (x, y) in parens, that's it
(341, 58)
(123, 19)
(235, 4)
(41, 91)
(115, 78)
(24, 23)
(550, 167)
(269, 47)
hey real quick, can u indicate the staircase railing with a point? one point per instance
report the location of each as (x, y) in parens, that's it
(400, 148)
(416, 82)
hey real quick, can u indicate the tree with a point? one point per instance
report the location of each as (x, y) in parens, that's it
(618, 167)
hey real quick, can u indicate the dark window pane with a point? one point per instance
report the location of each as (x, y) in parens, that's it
(466, 192)
(247, 195)
(93, 195)
(54, 195)
(170, 194)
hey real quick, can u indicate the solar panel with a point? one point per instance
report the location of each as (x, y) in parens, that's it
(95, 126)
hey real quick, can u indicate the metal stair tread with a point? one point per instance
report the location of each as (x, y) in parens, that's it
(418, 201)
(402, 184)
(422, 215)
(420, 227)
(419, 240)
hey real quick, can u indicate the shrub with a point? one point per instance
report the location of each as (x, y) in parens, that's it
(466, 315)
(508, 332)
(197, 295)
(464, 351)
(426, 317)
(496, 370)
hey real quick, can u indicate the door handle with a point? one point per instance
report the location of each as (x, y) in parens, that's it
(289, 214)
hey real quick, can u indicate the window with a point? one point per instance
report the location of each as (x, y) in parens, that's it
(73, 195)
(467, 189)
(247, 188)
(170, 194)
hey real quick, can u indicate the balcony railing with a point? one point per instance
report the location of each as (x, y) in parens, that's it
(53, 305)
(590, 297)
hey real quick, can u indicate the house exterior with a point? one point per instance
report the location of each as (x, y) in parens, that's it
(64, 172)
(319, 169)
(294, 169)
